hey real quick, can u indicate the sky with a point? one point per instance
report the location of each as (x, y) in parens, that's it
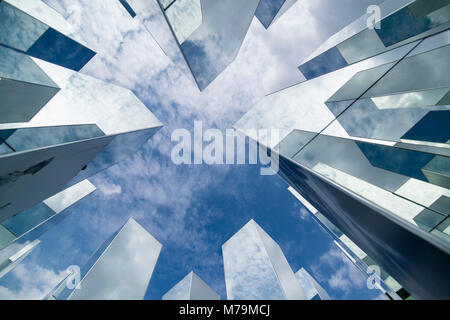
(193, 209)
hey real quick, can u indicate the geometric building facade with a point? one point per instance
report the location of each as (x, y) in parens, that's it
(58, 127)
(366, 141)
(203, 37)
(256, 268)
(119, 270)
(381, 281)
(19, 235)
(268, 11)
(191, 287)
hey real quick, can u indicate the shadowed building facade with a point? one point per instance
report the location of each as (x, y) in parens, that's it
(381, 281)
(366, 143)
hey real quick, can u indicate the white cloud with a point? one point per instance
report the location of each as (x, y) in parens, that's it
(345, 277)
(110, 189)
(32, 282)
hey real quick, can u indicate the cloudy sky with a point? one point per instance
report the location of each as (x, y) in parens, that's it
(192, 210)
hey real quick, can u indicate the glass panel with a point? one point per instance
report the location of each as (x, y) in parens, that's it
(377, 171)
(216, 43)
(17, 66)
(432, 66)
(124, 269)
(327, 62)
(185, 16)
(39, 40)
(17, 29)
(255, 267)
(28, 219)
(267, 10)
(249, 274)
(59, 49)
(201, 291)
(24, 87)
(30, 224)
(443, 230)
(181, 291)
(403, 25)
(31, 138)
(5, 236)
(398, 27)
(296, 140)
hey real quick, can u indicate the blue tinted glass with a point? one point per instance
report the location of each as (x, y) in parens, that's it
(400, 26)
(407, 162)
(128, 8)
(267, 10)
(338, 106)
(18, 30)
(434, 127)
(30, 138)
(316, 297)
(203, 69)
(59, 49)
(330, 60)
(28, 219)
(65, 293)
(5, 134)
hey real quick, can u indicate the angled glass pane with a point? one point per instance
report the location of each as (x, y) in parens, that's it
(17, 29)
(255, 267)
(215, 44)
(185, 16)
(31, 138)
(24, 87)
(123, 269)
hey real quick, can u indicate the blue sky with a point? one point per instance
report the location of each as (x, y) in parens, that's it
(192, 210)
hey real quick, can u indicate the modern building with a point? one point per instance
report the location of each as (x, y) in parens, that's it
(367, 145)
(256, 268)
(370, 36)
(120, 269)
(268, 11)
(313, 290)
(381, 281)
(191, 287)
(57, 126)
(19, 234)
(203, 37)
(35, 29)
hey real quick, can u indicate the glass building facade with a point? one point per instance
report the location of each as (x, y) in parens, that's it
(33, 28)
(19, 235)
(191, 287)
(120, 269)
(382, 281)
(202, 37)
(256, 268)
(268, 11)
(58, 127)
(367, 145)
